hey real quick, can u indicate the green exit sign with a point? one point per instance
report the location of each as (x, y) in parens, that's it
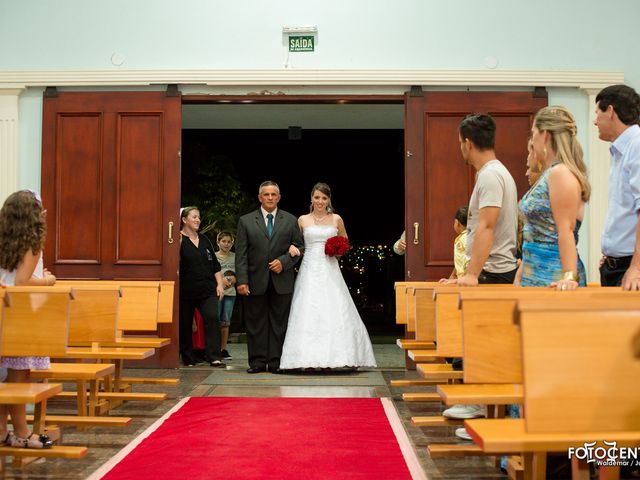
(301, 43)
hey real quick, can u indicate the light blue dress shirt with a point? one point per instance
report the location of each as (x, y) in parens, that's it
(619, 235)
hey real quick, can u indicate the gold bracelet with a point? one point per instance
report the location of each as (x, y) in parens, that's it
(569, 276)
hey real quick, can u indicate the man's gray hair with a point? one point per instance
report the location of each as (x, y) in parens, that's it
(268, 183)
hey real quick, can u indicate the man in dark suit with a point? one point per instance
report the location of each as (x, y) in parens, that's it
(264, 270)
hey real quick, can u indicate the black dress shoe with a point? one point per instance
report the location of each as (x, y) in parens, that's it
(278, 371)
(256, 369)
(188, 362)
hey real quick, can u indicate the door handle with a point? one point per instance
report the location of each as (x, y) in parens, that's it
(416, 227)
(170, 239)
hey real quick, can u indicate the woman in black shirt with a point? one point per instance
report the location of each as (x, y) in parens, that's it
(200, 287)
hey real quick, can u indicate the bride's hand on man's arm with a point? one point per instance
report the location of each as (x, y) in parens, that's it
(294, 251)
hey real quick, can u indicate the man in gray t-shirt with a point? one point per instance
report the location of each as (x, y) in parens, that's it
(492, 223)
(493, 208)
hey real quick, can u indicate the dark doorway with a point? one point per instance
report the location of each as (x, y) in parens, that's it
(365, 169)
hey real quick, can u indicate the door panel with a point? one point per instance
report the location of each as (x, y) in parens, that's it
(77, 223)
(111, 184)
(140, 184)
(448, 165)
(437, 179)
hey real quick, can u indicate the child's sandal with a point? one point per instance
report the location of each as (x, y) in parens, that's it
(8, 438)
(32, 441)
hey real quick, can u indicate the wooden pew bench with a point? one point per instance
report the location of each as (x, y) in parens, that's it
(406, 315)
(448, 326)
(450, 336)
(415, 309)
(440, 317)
(138, 310)
(589, 399)
(94, 317)
(34, 322)
(492, 349)
(144, 305)
(491, 340)
(84, 375)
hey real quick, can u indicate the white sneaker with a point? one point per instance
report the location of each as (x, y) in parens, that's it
(462, 433)
(464, 411)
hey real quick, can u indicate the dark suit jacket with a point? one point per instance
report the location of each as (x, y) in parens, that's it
(254, 251)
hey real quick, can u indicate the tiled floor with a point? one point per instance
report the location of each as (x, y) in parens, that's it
(105, 442)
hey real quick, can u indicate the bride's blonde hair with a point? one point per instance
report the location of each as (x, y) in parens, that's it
(322, 188)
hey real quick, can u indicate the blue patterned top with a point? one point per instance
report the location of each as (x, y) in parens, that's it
(540, 252)
(535, 205)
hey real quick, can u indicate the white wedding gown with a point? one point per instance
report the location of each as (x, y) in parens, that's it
(325, 329)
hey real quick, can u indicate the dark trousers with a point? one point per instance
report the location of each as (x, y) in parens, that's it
(209, 309)
(266, 317)
(502, 278)
(486, 278)
(613, 269)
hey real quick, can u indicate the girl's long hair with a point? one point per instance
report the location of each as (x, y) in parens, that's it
(22, 227)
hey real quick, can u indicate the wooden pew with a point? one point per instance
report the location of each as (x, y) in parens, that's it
(406, 315)
(24, 299)
(142, 305)
(590, 398)
(492, 349)
(448, 323)
(415, 309)
(92, 319)
(35, 322)
(438, 318)
(95, 321)
(139, 310)
(448, 337)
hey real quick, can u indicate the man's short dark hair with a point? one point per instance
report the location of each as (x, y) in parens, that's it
(480, 129)
(625, 102)
(461, 215)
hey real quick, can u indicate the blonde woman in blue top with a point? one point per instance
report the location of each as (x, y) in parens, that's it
(554, 206)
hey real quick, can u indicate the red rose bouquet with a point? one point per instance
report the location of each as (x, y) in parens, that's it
(336, 246)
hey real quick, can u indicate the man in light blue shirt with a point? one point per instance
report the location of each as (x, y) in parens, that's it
(617, 117)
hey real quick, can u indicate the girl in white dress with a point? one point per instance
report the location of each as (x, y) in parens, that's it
(22, 234)
(325, 329)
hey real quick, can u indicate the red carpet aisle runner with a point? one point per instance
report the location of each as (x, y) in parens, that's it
(270, 438)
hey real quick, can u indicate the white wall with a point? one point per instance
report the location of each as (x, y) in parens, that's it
(352, 34)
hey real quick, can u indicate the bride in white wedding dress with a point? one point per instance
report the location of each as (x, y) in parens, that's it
(325, 329)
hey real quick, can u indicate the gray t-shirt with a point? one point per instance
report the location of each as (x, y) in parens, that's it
(495, 188)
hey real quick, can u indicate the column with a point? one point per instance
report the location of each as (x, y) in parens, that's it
(599, 162)
(8, 141)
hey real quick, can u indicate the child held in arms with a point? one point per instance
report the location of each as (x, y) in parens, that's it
(460, 258)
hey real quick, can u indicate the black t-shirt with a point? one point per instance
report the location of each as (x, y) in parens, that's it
(198, 265)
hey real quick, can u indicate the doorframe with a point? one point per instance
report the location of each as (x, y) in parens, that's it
(14, 82)
(292, 99)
